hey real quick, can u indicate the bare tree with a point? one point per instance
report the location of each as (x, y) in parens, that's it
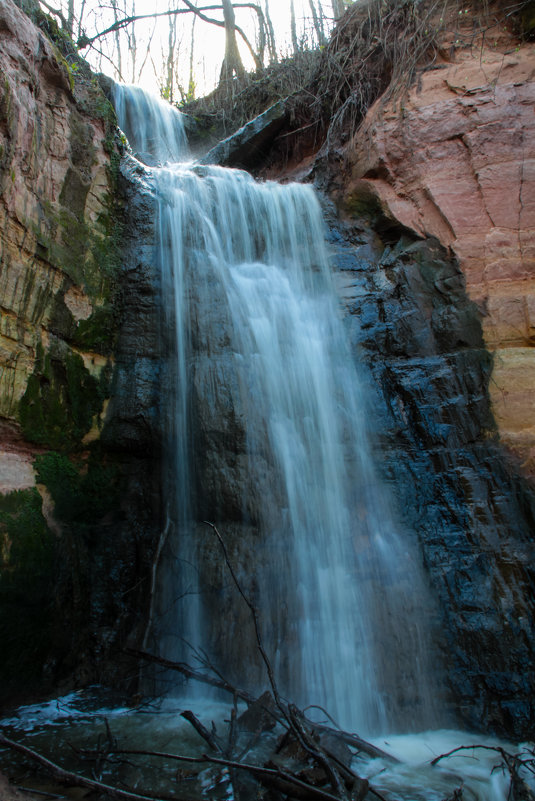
(317, 18)
(191, 81)
(338, 8)
(117, 39)
(70, 17)
(232, 63)
(272, 49)
(293, 29)
(167, 89)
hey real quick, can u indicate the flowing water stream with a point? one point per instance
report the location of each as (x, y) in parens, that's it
(267, 415)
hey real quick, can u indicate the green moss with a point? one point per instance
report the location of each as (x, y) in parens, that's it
(5, 100)
(74, 193)
(60, 401)
(88, 254)
(83, 492)
(26, 586)
(98, 332)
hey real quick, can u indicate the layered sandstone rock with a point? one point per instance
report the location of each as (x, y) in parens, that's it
(78, 489)
(54, 219)
(455, 160)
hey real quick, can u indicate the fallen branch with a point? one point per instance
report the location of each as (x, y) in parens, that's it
(191, 673)
(66, 777)
(202, 731)
(519, 789)
(496, 748)
(255, 770)
(296, 721)
(254, 615)
(357, 742)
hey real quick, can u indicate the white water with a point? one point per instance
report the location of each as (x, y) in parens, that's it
(79, 719)
(257, 338)
(154, 129)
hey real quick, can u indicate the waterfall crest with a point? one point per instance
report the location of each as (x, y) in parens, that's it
(154, 129)
(268, 434)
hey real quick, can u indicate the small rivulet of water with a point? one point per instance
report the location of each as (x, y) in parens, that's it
(268, 429)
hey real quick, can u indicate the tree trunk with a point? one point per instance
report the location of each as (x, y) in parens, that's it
(118, 66)
(232, 63)
(271, 34)
(171, 44)
(317, 18)
(293, 28)
(191, 81)
(338, 8)
(70, 17)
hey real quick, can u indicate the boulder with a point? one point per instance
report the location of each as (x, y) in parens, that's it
(245, 147)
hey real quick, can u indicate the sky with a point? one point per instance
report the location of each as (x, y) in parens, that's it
(152, 37)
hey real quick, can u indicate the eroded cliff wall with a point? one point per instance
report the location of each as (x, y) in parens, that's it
(455, 160)
(77, 499)
(442, 291)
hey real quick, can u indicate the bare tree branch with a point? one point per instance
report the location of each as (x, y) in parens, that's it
(57, 13)
(67, 777)
(84, 41)
(190, 673)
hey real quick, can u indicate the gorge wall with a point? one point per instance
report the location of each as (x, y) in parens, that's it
(77, 508)
(454, 160)
(437, 265)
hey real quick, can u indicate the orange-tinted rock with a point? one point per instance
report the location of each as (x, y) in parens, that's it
(456, 160)
(54, 187)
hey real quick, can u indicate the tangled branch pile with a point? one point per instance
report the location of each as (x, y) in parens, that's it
(377, 50)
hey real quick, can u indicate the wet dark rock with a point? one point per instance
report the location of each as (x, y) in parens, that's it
(246, 147)
(411, 321)
(260, 716)
(120, 562)
(133, 418)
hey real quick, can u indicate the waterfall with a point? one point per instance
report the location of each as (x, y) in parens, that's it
(268, 437)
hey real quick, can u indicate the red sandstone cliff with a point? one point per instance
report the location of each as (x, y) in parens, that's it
(455, 159)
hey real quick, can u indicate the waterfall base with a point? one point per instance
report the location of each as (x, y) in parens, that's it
(82, 720)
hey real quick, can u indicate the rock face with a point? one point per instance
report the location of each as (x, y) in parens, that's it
(245, 147)
(434, 265)
(413, 323)
(455, 160)
(77, 503)
(436, 272)
(55, 187)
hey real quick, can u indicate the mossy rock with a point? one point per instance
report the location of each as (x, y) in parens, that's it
(61, 400)
(83, 491)
(27, 559)
(98, 333)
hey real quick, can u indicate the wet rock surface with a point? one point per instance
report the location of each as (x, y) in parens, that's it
(246, 147)
(436, 443)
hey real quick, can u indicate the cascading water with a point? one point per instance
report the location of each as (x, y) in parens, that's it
(268, 425)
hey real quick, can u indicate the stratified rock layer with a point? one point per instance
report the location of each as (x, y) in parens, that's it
(54, 187)
(455, 160)
(78, 501)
